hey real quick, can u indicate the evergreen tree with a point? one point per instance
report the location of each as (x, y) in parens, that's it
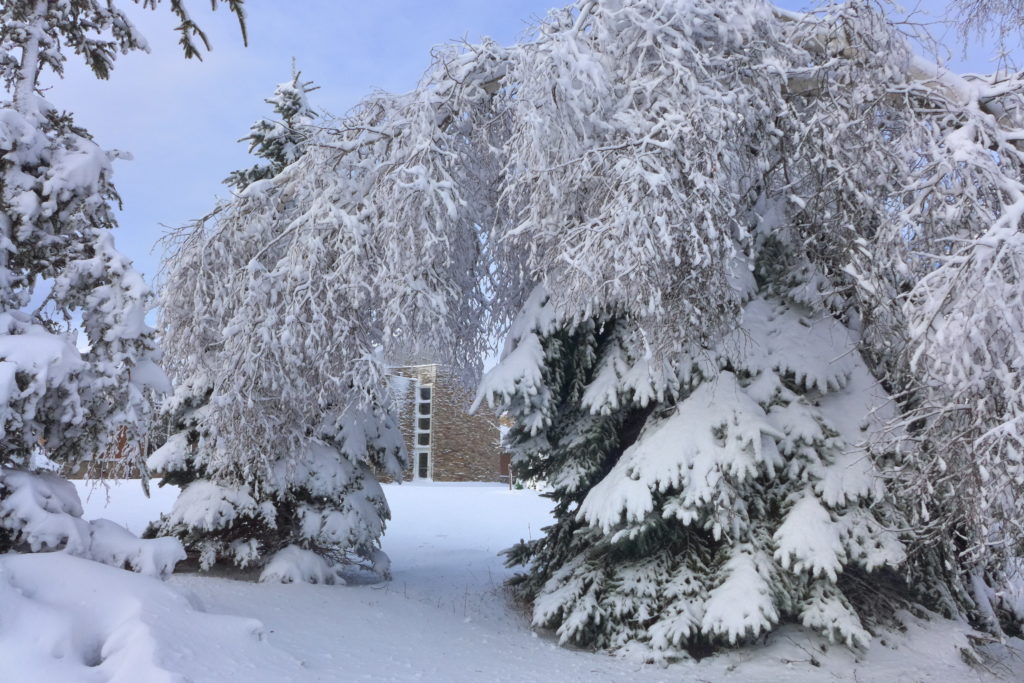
(711, 513)
(298, 517)
(79, 361)
(276, 440)
(278, 141)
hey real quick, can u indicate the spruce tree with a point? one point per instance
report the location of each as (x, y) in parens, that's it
(275, 458)
(278, 141)
(709, 514)
(298, 517)
(79, 360)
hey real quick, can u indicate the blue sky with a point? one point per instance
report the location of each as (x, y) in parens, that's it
(181, 119)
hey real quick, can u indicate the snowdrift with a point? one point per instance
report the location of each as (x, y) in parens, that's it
(43, 512)
(70, 619)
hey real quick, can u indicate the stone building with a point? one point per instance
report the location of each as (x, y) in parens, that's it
(445, 442)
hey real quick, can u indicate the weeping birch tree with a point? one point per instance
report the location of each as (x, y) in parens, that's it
(758, 275)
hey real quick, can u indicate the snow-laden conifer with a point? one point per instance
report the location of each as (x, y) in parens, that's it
(78, 362)
(709, 518)
(279, 140)
(60, 269)
(281, 416)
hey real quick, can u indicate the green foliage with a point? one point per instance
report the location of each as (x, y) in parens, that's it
(279, 141)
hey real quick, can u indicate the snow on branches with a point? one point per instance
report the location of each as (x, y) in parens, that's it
(759, 276)
(78, 363)
(747, 501)
(282, 403)
(41, 511)
(282, 140)
(862, 182)
(55, 236)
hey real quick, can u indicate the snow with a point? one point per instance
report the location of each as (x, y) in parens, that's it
(809, 540)
(677, 454)
(30, 350)
(741, 605)
(522, 356)
(444, 617)
(815, 349)
(146, 373)
(69, 619)
(43, 512)
(206, 505)
(293, 564)
(171, 456)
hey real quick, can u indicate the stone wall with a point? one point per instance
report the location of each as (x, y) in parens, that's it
(463, 447)
(466, 447)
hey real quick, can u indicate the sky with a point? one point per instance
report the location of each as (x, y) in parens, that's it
(181, 119)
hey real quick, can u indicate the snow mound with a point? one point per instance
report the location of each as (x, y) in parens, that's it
(114, 545)
(293, 564)
(43, 512)
(68, 619)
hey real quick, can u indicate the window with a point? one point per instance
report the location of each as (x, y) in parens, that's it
(423, 439)
(423, 465)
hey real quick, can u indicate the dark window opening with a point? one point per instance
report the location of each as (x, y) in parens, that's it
(423, 465)
(424, 409)
(423, 439)
(424, 424)
(424, 393)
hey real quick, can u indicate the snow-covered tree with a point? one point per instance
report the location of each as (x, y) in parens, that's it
(700, 409)
(281, 409)
(955, 260)
(735, 241)
(278, 141)
(710, 513)
(78, 361)
(863, 156)
(980, 18)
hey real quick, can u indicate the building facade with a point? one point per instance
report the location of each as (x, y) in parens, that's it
(444, 441)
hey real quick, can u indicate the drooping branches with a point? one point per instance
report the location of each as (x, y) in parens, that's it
(656, 169)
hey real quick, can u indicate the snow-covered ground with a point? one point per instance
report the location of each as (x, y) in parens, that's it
(444, 617)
